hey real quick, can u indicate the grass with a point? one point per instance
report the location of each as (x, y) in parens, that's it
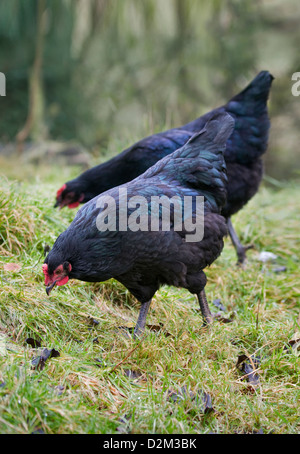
(104, 382)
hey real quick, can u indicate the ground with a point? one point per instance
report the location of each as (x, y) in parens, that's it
(180, 377)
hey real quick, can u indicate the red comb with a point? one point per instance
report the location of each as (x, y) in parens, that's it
(45, 268)
(61, 190)
(45, 271)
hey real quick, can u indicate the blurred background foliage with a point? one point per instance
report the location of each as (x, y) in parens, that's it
(106, 73)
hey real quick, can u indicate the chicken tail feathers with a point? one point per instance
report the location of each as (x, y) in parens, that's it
(249, 109)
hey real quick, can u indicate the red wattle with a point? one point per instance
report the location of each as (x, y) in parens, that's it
(63, 281)
(73, 205)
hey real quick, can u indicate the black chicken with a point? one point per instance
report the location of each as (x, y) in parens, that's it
(243, 155)
(144, 258)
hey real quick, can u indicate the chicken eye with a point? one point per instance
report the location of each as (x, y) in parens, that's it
(57, 272)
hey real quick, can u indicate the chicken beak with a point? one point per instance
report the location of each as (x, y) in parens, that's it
(50, 287)
(59, 205)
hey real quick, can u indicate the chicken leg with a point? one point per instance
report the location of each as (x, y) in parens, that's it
(206, 314)
(141, 322)
(240, 249)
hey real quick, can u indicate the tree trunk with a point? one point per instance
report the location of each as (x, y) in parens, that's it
(34, 123)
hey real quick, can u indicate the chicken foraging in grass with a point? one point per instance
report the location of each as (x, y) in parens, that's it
(243, 155)
(143, 260)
